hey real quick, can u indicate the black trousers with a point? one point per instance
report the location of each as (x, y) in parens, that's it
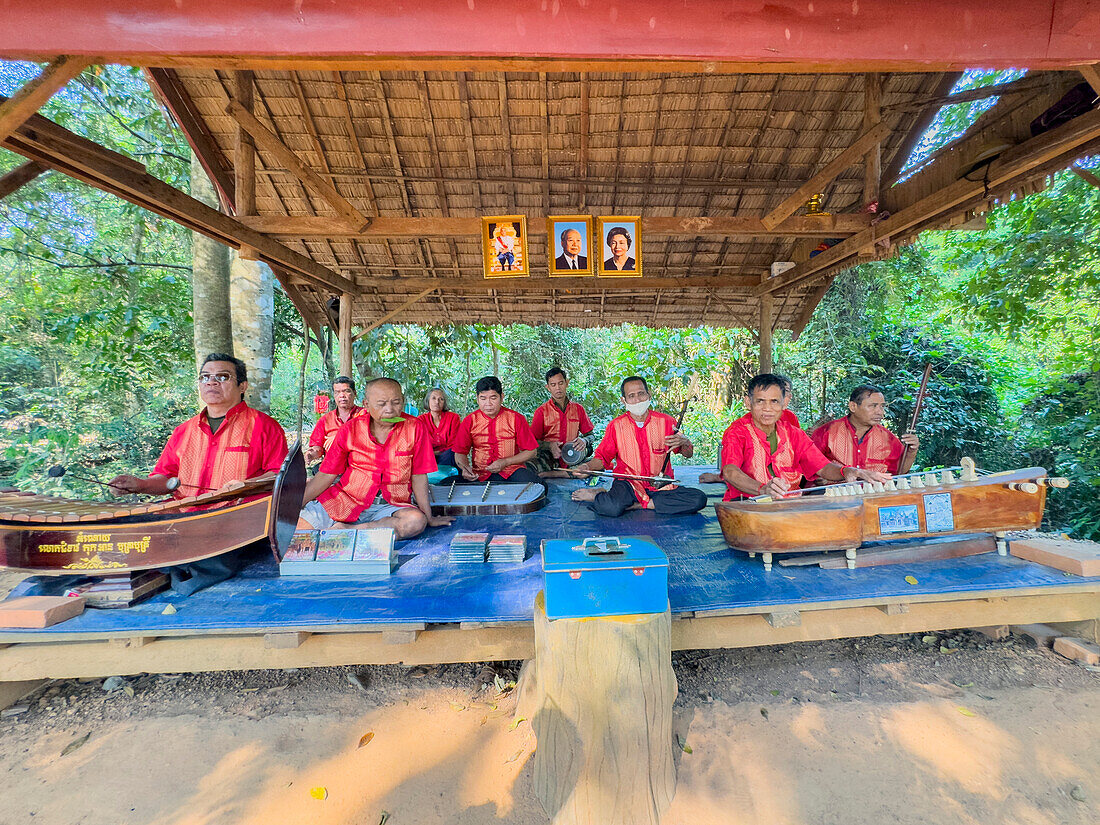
(520, 476)
(446, 458)
(681, 501)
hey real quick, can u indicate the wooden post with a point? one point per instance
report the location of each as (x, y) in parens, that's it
(872, 117)
(767, 305)
(16, 110)
(599, 695)
(244, 161)
(346, 341)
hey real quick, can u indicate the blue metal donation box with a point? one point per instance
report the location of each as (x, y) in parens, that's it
(604, 576)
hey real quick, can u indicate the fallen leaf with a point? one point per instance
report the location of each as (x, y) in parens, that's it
(948, 649)
(965, 711)
(365, 739)
(76, 743)
(1077, 793)
(774, 692)
(911, 579)
(249, 690)
(319, 793)
(128, 690)
(764, 712)
(515, 756)
(385, 817)
(684, 746)
(277, 688)
(929, 640)
(355, 680)
(456, 706)
(169, 609)
(963, 684)
(515, 724)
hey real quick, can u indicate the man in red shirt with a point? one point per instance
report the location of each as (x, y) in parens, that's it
(375, 474)
(227, 441)
(558, 423)
(764, 455)
(494, 442)
(637, 443)
(343, 390)
(859, 439)
(787, 415)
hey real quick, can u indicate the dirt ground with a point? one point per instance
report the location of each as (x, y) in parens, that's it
(931, 728)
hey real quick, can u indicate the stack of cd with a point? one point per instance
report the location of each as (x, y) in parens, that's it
(468, 547)
(507, 548)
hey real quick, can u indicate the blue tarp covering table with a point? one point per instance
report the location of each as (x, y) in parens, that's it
(704, 575)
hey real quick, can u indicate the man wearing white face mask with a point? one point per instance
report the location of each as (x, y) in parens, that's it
(636, 443)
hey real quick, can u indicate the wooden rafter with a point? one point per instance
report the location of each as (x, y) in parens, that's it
(446, 227)
(44, 141)
(872, 137)
(394, 312)
(1092, 75)
(268, 141)
(920, 125)
(16, 110)
(470, 283)
(20, 176)
(1079, 171)
(1014, 163)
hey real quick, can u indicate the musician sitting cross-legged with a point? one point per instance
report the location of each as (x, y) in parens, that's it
(375, 474)
(859, 439)
(560, 422)
(494, 442)
(324, 432)
(762, 454)
(637, 444)
(227, 442)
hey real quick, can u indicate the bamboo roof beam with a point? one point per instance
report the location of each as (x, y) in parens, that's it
(1013, 163)
(32, 96)
(893, 169)
(44, 141)
(20, 176)
(1079, 171)
(393, 313)
(588, 284)
(268, 141)
(1092, 75)
(453, 227)
(870, 138)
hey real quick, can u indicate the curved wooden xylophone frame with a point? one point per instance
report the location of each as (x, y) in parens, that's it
(55, 536)
(992, 503)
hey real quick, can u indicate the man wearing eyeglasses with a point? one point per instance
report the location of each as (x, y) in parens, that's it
(227, 441)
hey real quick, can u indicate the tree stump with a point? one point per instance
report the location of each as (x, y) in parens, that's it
(599, 695)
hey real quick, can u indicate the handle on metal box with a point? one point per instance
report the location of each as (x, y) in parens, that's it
(602, 546)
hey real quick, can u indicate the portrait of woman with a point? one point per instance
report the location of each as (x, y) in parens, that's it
(621, 250)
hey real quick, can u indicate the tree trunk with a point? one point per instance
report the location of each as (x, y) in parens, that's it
(599, 695)
(252, 301)
(209, 278)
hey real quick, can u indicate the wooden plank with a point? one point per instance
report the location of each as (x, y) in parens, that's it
(765, 334)
(452, 227)
(400, 637)
(12, 692)
(871, 137)
(1080, 171)
(347, 307)
(1013, 163)
(45, 141)
(1092, 75)
(131, 641)
(285, 640)
(539, 283)
(894, 608)
(16, 110)
(872, 117)
(244, 153)
(876, 557)
(268, 141)
(393, 313)
(784, 618)
(20, 176)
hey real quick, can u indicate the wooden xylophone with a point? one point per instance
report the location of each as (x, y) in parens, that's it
(51, 535)
(913, 506)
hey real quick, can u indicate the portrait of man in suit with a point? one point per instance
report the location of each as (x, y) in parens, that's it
(568, 245)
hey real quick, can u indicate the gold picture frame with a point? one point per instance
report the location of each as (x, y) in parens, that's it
(504, 247)
(628, 226)
(560, 260)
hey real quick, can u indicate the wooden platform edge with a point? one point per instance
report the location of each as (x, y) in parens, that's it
(450, 644)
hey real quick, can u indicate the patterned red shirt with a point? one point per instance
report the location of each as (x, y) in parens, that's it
(488, 439)
(549, 423)
(248, 443)
(745, 446)
(640, 451)
(324, 431)
(879, 449)
(367, 467)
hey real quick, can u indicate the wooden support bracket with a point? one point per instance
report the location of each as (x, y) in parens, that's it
(1091, 73)
(17, 109)
(131, 641)
(285, 640)
(267, 140)
(399, 637)
(895, 609)
(784, 618)
(20, 176)
(394, 312)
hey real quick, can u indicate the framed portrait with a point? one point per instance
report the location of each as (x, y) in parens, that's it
(504, 245)
(569, 245)
(618, 246)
